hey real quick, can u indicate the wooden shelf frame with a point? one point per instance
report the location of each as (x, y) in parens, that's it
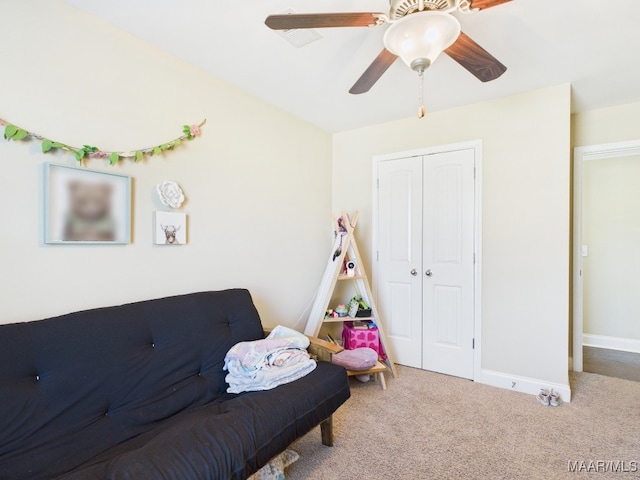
(345, 247)
(377, 371)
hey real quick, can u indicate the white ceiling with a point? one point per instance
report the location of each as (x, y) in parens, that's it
(593, 44)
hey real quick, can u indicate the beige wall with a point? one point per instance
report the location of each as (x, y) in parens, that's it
(526, 197)
(257, 181)
(611, 231)
(606, 125)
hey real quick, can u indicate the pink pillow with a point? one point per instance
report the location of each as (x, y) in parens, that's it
(357, 359)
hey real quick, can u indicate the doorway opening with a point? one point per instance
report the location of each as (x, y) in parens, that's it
(606, 232)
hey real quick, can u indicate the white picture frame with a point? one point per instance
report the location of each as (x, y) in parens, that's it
(170, 228)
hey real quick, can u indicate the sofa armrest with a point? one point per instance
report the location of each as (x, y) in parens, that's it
(319, 349)
(322, 349)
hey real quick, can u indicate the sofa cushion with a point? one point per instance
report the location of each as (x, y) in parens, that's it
(228, 439)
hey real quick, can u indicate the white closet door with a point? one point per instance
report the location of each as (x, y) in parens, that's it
(400, 257)
(448, 222)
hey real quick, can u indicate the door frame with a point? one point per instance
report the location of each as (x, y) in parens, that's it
(476, 145)
(581, 155)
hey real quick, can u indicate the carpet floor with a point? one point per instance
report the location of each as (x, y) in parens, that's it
(432, 426)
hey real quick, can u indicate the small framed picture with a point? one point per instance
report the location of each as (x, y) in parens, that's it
(84, 206)
(170, 228)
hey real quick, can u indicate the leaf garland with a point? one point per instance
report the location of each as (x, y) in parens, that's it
(13, 132)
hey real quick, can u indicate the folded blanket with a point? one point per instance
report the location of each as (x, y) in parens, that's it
(269, 378)
(264, 364)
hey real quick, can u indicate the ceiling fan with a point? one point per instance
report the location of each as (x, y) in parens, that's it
(419, 30)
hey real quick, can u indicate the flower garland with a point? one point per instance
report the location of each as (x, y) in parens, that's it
(13, 132)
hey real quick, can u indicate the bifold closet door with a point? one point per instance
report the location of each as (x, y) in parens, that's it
(425, 260)
(400, 257)
(448, 245)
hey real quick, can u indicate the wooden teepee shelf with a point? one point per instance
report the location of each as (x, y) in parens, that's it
(345, 248)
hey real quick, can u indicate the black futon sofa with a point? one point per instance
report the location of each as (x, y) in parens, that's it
(138, 392)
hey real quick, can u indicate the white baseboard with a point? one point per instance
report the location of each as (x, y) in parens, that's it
(522, 384)
(612, 343)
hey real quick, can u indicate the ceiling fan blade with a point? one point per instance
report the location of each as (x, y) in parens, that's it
(475, 59)
(483, 4)
(292, 21)
(373, 72)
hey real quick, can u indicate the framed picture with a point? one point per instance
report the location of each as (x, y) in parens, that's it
(86, 206)
(170, 228)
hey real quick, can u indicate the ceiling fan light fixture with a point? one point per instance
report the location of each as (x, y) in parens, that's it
(420, 37)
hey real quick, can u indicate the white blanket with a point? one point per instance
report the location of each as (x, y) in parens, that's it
(264, 364)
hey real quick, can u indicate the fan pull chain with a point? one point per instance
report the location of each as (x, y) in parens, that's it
(421, 95)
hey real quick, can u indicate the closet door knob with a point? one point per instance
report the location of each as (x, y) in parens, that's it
(428, 273)
(414, 272)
